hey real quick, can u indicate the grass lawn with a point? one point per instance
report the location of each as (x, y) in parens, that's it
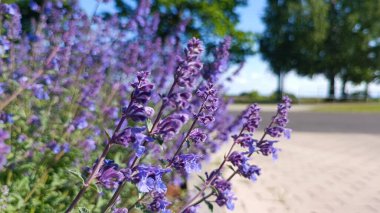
(348, 107)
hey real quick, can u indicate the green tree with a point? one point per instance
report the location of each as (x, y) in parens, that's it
(208, 20)
(330, 37)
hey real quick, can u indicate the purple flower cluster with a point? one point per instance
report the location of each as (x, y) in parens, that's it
(189, 67)
(225, 196)
(209, 96)
(280, 120)
(187, 162)
(109, 175)
(170, 126)
(159, 203)
(134, 136)
(149, 179)
(4, 148)
(137, 109)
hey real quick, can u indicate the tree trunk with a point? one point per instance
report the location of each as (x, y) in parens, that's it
(331, 95)
(366, 96)
(344, 84)
(280, 86)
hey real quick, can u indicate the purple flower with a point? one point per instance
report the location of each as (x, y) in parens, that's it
(237, 159)
(212, 71)
(189, 67)
(56, 148)
(109, 175)
(171, 125)
(197, 136)
(252, 118)
(120, 210)
(249, 171)
(180, 100)
(280, 120)
(266, 148)
(142, 88)
(159, 203)
(191, 209)
(187, 162)
(4, 148)
(246, 140)
(130, 135)
(208, 95)
(134, 136)
(4, 45)
(149, 178)
(224, 195)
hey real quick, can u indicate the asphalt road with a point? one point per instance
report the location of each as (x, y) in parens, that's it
(368, 123)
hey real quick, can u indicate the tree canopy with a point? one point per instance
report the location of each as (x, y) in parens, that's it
(209, 20)
(337, 38)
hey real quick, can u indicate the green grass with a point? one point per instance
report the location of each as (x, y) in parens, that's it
(349, 107)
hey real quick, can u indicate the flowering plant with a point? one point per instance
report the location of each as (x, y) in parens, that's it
(77, 71)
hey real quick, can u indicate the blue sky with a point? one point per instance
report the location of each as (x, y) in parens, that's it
(256, 74)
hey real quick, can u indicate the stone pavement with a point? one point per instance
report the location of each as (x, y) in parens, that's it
(315, 173)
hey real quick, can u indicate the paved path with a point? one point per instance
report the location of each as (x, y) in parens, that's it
(316, 173)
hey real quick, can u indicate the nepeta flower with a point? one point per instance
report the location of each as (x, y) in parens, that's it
(171, 125)
(246, 140)
(180, 100)
(212, 71)
(210, 99)
(190, 66)
(197, 136)
(121, 210)
(252, 118)
(142, 88)
(241, 162)
(266, 148)
(109, 175)
(57, 148)
(187, 162)
(280, 121)
(4, 148)
(191, 209)
(130, 135)
(149, 178)
(159, 203)
(224, 195)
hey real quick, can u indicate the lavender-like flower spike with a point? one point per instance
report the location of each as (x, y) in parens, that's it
(137, 110)
(225, 195)
(109, 175)
(212, 71)
(187, 162)
(280, 121)
(121, 210)
(197, 136)
(4, 148)
(159, 203)
(209, 96)
(252, 118)
(189, 67)
(149, 178)
(171, 125)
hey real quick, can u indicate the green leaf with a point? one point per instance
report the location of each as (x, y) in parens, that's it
(210, 206)
(76, 173)
(231, 167)
(200, 177)
(197, 187)
(108, 136)
(83, 210)
(149, 124)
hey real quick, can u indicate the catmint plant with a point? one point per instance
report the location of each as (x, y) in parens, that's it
(102, 113)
